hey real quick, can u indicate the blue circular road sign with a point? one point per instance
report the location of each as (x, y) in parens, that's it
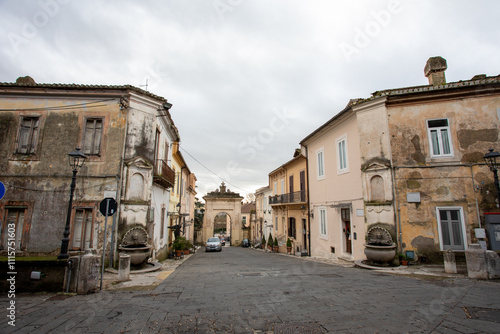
(2, 190)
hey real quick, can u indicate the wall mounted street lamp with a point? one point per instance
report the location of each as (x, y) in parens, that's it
(306, 212)
(76, 161)
(492, 159)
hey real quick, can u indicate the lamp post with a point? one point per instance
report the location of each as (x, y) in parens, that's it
(76, 160)
(491, 161)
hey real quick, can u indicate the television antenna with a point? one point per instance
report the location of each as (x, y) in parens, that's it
(146, 85)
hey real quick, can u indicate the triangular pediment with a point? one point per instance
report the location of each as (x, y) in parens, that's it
(138, 162)
(376, 164)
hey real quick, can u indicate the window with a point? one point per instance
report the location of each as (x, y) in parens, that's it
(321, 164)
(451, 228)
(275, 188)
(439, 138)
(282, 190)
(283, 224)
(27, 138)
(342, 161)
(244, 222)
(12, 231)
(291, 227)
(322, 222)
(276, 223)
(92, 136)
(81, 238)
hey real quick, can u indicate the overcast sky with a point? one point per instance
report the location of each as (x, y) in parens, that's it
(248, 79)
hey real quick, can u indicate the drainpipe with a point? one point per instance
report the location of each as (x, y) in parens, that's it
(397, 209)
(308, 204)
(180, 203)
(475, 198)
(120, 181)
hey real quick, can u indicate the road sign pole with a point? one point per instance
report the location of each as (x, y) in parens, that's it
(112, 246)
(104, 242)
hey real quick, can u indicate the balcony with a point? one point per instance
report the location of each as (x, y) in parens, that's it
(290, 198)
(163, 175)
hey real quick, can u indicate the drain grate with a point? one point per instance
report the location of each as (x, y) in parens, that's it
(487, 314)
(298, 328)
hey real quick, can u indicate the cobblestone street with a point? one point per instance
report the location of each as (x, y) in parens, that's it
(241, 290)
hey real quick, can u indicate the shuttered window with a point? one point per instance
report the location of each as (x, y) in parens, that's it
(451, 228)
(81, 238)
(92, 136)
(12, 231)
(28, 135)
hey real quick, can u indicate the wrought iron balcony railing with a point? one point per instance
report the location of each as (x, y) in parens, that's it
(163, 174)
(295, 197)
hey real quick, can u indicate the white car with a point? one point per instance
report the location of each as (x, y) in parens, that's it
(213, 244)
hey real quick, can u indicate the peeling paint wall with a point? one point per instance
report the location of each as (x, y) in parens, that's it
(40, 182)
(456, 181)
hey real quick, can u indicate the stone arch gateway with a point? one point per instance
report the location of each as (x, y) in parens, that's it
(225, 201)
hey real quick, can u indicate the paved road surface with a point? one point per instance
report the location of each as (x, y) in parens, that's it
(241, 290)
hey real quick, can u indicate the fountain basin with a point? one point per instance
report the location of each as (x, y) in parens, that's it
(380, 254)
(138, 254)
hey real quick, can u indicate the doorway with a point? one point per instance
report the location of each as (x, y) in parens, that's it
(346, 223)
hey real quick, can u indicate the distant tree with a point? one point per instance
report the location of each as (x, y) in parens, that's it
(199, 212)
(249, 198)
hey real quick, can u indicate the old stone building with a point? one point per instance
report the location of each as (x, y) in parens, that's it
(409, 160)
(264, 222)
(289, 203)
(127, 135)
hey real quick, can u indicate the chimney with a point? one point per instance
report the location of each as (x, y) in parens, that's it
(434, 70)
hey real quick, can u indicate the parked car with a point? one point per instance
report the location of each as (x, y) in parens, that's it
(213, 244)
(222, 241)
(245, 243)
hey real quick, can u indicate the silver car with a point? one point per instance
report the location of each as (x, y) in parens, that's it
(213, 244)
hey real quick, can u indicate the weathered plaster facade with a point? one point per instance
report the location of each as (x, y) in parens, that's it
(115, 127)
(460, 181)
(415, 165)
(289, 203)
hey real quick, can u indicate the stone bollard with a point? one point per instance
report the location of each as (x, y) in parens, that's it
(493, 261)
(450, 265)
(88, 274)
(476, 262)
(124, 268)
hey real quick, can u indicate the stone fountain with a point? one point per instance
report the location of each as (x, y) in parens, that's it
(380, 249)
(135, 244)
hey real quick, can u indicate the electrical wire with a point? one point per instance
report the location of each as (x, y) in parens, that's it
(64, 107)
(210, 170)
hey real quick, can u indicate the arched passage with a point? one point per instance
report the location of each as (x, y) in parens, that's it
(223, 202)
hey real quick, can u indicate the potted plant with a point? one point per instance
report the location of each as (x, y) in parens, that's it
(275, 245)
(187, 247)
(263, 242)
(270, 242)
(403, 259)
(177, 247)
(288, 246)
